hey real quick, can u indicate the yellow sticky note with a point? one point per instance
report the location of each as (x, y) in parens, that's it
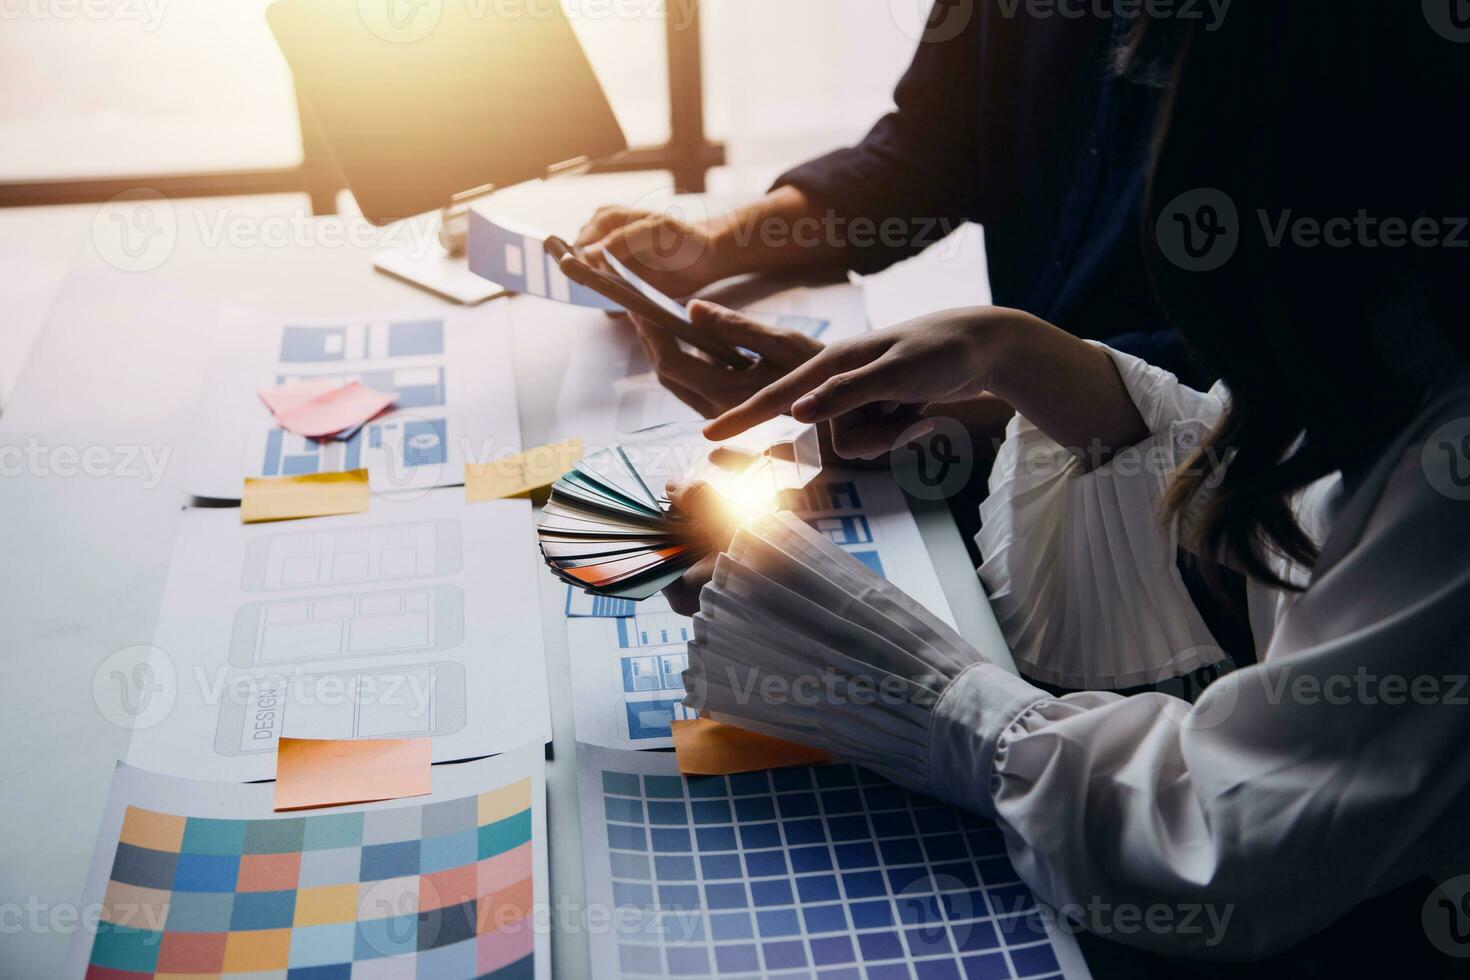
(285, 498)
(709, 748)
(516, 476)
(330, 772)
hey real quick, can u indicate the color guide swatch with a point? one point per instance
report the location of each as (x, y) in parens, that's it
(444, 889)
(819, 871)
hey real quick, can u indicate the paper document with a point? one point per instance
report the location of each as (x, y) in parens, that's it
(449, 375)
(511, 254)
(410, 621)
(204, 879)
(814, 870)
(628, 658)
(948, 275)
(312, 772)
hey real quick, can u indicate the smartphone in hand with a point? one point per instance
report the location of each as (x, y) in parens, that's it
(638, 297)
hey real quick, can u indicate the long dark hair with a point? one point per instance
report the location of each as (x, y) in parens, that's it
(1316, 110)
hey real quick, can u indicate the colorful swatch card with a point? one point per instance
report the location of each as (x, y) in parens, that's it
(825, 871)
(198, 878)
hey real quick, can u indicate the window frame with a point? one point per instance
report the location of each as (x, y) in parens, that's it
(688, 154)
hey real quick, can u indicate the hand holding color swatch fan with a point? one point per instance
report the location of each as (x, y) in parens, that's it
(607, 531)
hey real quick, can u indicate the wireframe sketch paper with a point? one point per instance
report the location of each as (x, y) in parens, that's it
(825, 870)
(202, 878)
(409, 621)
(450, 375)
(511, 254)
(628, 658)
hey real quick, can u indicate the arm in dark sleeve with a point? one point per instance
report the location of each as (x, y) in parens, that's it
(919, 164)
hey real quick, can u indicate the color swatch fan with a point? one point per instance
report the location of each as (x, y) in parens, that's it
(608, 531)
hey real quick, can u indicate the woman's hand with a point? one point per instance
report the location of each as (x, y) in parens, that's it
(674, 256)
(873, 387)
(704, 506)
(711, 388)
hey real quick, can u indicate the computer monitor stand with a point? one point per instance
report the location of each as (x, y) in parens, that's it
(438, 263)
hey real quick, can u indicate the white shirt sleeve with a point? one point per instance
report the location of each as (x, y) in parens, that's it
(1292, 790)
(1081, 572)
(1288, 793)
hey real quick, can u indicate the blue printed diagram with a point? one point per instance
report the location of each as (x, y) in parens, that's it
(835, 509)
(362, 341)
(829, 871)
(653, 689)
(406, 442)
(651, 638)
(585, 605)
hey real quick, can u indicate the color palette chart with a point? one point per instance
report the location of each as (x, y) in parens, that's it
(822, 871)
(442, 889)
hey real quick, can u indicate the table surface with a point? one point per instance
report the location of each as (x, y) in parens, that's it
(113, 368)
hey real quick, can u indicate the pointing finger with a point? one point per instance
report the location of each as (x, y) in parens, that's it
(778, 398)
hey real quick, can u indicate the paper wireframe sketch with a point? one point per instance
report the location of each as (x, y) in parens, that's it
(409, 621)
(511, 254)
(449, 373)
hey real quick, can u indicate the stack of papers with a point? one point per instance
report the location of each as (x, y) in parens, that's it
(606, 532)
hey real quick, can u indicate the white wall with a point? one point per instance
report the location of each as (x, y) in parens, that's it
(788, 79)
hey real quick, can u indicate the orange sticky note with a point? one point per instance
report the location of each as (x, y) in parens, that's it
(286, 498)
(332, 772)
(516, 476)
(709, 748)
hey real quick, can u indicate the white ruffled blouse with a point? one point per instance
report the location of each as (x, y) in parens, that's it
(1292, 790)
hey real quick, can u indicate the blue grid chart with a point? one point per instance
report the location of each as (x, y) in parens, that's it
(826, 871)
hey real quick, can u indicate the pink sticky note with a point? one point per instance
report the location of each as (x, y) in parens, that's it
(283, 398)
(338, 409)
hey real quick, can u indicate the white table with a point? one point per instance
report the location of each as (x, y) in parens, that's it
(113, 371)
